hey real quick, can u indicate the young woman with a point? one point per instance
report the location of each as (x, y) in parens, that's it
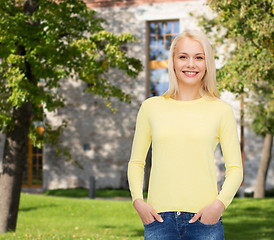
(184, 126)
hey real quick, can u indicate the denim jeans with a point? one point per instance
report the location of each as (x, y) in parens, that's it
(176, 227)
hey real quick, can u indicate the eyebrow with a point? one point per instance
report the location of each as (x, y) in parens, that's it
(195, 54)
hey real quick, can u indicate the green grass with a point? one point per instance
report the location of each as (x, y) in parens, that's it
(249, 218)
(47, 217)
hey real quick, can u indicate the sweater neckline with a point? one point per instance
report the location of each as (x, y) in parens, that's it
(184, 102)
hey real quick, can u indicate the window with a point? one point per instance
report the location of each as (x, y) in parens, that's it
(33, 171)
(160, 37)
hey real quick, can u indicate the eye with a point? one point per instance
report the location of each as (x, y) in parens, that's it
(182, 57)
(200, 57)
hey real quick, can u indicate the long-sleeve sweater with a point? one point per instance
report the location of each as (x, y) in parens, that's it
(184, 135)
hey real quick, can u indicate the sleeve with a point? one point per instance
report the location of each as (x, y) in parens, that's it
(141, 142)
(230, 145)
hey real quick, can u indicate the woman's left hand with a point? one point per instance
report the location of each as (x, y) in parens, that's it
(210, 214)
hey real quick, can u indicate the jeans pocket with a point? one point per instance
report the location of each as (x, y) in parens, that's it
(219, 221)
(150, 224)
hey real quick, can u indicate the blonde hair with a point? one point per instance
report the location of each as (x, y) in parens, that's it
(209, 85)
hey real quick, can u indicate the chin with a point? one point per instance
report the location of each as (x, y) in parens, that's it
(190, 83)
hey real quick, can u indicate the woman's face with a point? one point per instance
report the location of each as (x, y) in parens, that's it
(189, 62)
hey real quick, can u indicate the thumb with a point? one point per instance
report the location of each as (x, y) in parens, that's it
(195, 217)
(158, 217)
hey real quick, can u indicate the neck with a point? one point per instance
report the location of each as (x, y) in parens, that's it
(188, 93)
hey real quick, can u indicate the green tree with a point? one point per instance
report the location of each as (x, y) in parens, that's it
(44, 41)
(247, 27)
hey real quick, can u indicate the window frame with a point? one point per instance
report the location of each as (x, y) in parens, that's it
(28, 182)
(155, 64)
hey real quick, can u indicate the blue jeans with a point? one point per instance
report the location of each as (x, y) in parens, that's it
(176, 227)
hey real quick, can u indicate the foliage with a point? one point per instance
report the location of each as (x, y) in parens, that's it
(60, 40)
(43, 217)
(69, 192)
(83, 192)
(246, 28)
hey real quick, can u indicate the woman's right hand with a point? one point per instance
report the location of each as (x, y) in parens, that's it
(146, 212)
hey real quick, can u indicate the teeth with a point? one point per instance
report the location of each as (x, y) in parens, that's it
(190, 73)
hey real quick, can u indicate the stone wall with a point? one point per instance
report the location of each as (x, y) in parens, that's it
(99, 140)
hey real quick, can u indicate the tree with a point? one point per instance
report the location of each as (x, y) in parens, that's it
(42, 42)
(247, 27)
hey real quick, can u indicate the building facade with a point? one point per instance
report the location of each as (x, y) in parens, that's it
(101, 140)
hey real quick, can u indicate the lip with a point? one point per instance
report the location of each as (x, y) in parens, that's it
(190, 73)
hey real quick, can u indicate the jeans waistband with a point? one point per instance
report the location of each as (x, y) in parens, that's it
(177, 213)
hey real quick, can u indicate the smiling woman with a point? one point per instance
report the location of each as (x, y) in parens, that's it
(184, 126)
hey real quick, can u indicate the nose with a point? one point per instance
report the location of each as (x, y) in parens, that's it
(191, 62)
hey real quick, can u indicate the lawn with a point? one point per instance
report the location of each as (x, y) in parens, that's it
(48, 217)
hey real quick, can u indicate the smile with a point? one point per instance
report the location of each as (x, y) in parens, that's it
(190, 74)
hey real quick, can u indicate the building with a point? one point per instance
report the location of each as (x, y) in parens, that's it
(100, 140)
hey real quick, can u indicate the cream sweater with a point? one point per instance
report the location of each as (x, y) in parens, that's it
(184, 135)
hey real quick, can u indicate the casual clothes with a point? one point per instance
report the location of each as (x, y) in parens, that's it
(184, 135)
(176, 226)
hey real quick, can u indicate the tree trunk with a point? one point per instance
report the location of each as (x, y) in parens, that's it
(15, 155)
(264, 165)
(16, 147)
